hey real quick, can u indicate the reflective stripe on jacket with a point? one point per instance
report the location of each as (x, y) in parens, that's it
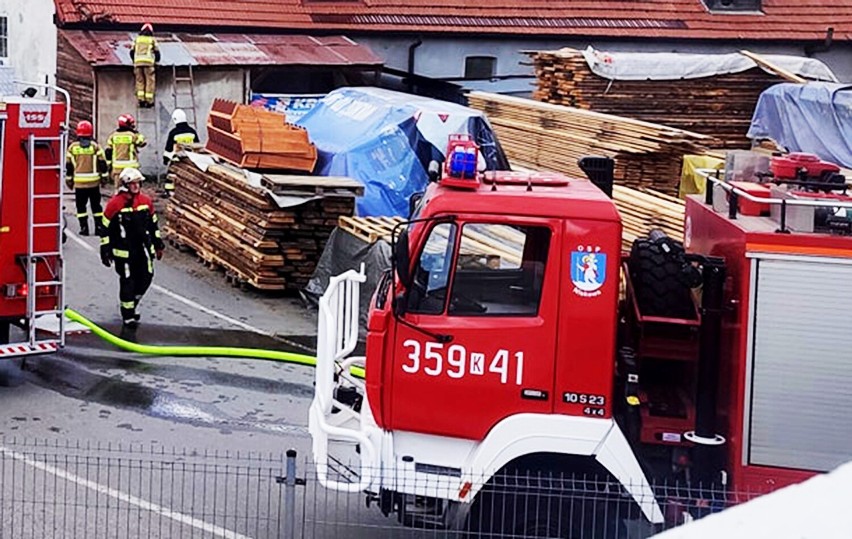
(125, 145)
(143, 51)
(85, 159)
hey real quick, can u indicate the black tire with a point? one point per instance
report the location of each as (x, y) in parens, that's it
(5, 327)
(538, 507)
(661, 279)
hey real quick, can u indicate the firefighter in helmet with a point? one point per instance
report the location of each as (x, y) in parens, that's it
(85, 164)
(122, 147)
(130, 237)
(181, 137)
(145, 55)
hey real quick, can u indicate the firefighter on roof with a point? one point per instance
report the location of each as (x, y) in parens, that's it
(85, 163)
(130, 237)
(145, 55)
(123, 145)
(181, 137)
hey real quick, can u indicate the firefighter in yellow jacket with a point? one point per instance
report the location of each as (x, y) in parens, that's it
(145, 55)
(122, 147)
(85, 162)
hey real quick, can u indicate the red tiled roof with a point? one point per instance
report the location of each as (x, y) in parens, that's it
(779, 20)
(111, 48)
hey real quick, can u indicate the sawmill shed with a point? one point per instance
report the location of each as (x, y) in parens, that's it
(195, 69)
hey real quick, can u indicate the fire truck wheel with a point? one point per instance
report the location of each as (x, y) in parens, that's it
(539, 509)
(660, 280)
(5, 327)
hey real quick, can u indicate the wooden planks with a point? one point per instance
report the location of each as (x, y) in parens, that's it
(238, 228)
(553, 137)
(252, 137)
(370, 229)
(643, 210)
(720, 106)
(303, 185)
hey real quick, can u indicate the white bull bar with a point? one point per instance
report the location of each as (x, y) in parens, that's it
(330, 419)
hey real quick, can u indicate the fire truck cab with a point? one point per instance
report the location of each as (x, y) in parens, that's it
(505, 338)
(33, 140)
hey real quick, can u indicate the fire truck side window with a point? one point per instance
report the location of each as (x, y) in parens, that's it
(431, 276)
(499, 270)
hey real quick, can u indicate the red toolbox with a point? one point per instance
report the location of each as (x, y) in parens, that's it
(750, 207)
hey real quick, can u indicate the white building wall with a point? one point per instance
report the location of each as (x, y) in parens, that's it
(31, 39)
(443, 57)
(115, 96)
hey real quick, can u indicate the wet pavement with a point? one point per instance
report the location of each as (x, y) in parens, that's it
(94, 391)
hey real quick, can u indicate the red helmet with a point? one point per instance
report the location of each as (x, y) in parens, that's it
(85, 129)
(147, 26)
(127, 120)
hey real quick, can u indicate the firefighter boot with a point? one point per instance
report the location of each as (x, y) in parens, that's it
(84, 226)
(99, 227)
(128, 314)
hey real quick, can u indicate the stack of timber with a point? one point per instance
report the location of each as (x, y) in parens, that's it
(251, 137)
(720, 106)
(544, 136)
(238, 227)
(645, 210)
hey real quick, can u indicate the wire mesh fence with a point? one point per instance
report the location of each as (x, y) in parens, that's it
(64, 490)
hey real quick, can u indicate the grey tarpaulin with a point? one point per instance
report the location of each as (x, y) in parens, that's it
(343, 252)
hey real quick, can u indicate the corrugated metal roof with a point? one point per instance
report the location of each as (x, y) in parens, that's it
(113, 49)
(778, 20)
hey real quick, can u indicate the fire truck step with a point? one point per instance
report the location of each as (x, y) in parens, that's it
(49, 311)
(46, 167)
(24, 348)
(46, 283)
(46, 225)
(54, 195)
(46, 253)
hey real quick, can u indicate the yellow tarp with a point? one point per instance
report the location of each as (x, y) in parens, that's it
(691, 182)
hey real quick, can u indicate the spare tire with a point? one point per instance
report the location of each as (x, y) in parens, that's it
(662, 279)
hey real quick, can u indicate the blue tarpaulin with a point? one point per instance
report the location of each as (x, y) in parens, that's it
(814, 118)
(386, 140)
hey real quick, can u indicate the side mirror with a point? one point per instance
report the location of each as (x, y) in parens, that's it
(400, 304)
(434, 171)
(403, 259)
(413, 201)
(600, 171)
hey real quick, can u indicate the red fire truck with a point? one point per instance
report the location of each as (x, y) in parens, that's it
(33, 139)
(500, 342)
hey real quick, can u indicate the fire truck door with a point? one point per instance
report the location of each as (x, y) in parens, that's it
(479, 333)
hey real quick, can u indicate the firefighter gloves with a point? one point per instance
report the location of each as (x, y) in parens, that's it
(106, 256)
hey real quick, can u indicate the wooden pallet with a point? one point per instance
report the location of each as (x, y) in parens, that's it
(311, 185)
(370, 229)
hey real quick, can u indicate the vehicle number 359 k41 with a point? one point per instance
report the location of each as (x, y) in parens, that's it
(456, 362)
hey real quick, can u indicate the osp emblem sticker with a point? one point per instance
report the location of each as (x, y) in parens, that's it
(34, 115)
(588, 271)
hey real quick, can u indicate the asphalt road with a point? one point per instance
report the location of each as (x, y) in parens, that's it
(99, 442)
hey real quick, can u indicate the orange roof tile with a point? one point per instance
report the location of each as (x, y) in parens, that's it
(779, 20)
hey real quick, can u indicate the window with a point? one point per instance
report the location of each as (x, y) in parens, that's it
(499, 270)
(4, 38)
(479, 67)
(428, 292)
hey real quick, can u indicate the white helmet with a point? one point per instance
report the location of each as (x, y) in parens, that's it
(130, 175)
(178, 116)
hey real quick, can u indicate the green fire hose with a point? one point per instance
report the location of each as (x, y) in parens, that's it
(198, 351)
